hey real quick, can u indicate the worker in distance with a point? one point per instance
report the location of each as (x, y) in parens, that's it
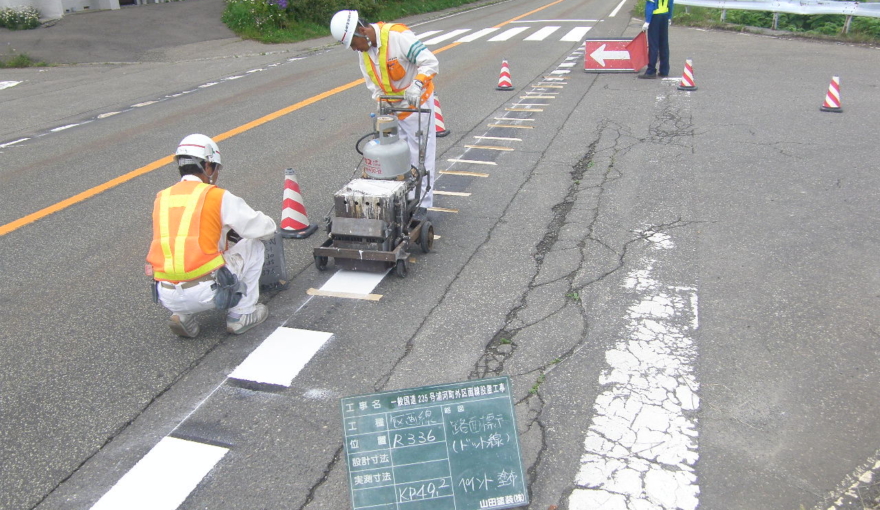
(206, 251)
(396, 63)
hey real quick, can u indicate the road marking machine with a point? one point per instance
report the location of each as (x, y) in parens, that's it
(377, 217)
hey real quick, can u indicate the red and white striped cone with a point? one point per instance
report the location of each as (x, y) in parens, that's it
(832, 98)
(439, 125)
(687, 77)
(294, 220)
(504, 82)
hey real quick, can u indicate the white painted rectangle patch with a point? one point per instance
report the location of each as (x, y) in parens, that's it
(281, 356)
(7, 84)
(477, 35)
(507, 34)
(542, 34)
(446, 36)
(163, 479)
(576, 34)
(353, 282)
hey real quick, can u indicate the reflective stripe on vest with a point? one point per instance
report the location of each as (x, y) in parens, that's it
(384, 82)
(176, 254)
(662, 7)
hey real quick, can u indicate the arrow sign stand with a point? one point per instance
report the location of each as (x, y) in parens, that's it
(616, 55)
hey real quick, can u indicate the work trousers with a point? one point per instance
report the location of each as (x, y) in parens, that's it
(245, 260)
(658, 44)
(408, 129)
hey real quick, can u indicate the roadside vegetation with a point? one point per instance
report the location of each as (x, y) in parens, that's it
(284, 21)
(826, 26)
(19, 18)
(20, 60)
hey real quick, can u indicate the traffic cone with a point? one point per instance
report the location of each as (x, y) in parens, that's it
(439, 126)
(294, 220)
(832, 98)
(504, 82)
(687, 77)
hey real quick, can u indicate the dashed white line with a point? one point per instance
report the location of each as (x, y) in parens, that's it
(507, 34)
(446, 36)
(542, 34)
(164, 477)
(281, 356)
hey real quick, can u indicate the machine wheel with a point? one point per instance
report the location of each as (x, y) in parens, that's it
(400, 268)
(321, 263)
(426, 237)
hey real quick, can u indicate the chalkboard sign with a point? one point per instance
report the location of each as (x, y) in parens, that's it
(445, 447)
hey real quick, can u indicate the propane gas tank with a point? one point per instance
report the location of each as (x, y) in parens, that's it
(387, 156)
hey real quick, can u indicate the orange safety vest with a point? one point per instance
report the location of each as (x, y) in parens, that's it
(186, 232)
(382, 76)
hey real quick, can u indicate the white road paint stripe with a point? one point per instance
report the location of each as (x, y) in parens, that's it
(427, 34)
(108, 114)
(557, 21)
(8, 144)
(542, 34)
(8, 84)
(641, 447)
(472, 161)
(62, 128)
(616, 9)
(145, 103)
(163, 479)
(447, 36)
(353, 282)
(507, 34)
(476, 35)
(281, 356)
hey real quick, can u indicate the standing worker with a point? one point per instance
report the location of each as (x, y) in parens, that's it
(658, 17)
(396, 63)
(193, 265)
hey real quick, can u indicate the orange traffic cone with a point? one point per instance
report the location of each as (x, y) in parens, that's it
(294, 220)
(504, 82)
(832, 98)
(439, 125)
(687, 77)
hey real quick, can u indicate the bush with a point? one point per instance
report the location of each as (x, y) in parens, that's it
(275, 21)
(19, 18)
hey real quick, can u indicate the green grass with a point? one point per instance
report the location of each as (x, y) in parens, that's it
(20, 60)
(286, 21)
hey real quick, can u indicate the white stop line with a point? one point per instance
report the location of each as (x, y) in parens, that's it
(641, 446)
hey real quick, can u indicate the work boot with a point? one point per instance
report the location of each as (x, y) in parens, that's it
(239, 325)
(184, 325)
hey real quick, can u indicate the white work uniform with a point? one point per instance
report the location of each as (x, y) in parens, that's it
(244, 259)
(425, 63)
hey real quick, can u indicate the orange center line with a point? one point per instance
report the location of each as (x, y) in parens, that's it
(159, 163)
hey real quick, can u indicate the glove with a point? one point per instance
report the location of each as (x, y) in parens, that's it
(414, 93)
(645, 26)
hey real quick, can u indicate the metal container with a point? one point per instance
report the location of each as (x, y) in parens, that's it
(386, 157)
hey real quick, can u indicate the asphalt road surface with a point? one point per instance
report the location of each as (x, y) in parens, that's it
(680, 285)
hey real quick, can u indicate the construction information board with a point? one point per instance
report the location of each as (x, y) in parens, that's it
(446, 447)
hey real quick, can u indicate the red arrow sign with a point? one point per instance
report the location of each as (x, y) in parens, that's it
(616, 55)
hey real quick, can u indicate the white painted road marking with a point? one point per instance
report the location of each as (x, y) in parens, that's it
(163, 479)
(641, 447)
(281, 356)
(7, 84)
(353, 282)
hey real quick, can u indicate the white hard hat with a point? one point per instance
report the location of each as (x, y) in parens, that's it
(343, 26)
(195, 149)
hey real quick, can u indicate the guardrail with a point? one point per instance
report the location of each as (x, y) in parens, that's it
(806, 7)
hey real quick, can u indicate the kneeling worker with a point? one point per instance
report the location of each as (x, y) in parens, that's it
(193, 265)
(395, 63)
